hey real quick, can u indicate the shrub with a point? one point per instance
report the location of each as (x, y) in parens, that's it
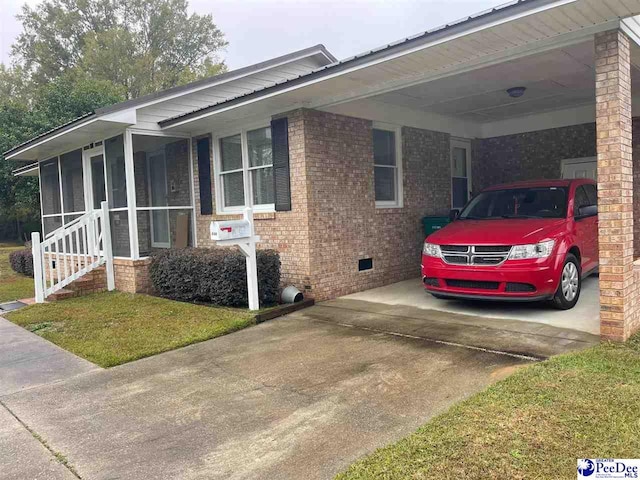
(21, 261)
(216, 276)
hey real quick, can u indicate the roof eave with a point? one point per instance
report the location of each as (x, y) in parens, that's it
(75, 123)
(424, 40)
(26, 171)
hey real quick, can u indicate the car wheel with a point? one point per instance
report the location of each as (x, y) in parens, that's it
(570, 284)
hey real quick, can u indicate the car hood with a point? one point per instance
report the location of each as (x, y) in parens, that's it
(497, 232)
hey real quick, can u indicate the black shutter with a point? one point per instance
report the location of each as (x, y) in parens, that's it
(204, 176)
(281, 173)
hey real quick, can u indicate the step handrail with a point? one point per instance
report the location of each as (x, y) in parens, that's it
(70, 252)
(68, 225)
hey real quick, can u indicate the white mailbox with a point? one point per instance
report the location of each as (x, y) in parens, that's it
(230, 230)
(241, 233)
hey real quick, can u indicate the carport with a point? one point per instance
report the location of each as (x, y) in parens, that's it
(545, 130)
(531, 89)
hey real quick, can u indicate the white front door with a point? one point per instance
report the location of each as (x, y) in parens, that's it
(158, 193)
(580, 168)
(95, 191)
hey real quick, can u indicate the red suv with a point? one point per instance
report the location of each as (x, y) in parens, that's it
(523, 241)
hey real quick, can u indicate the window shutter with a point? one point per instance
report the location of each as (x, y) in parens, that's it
(204, 176)
(281, 173)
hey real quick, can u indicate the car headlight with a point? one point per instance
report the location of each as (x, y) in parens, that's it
(535, 250)
(431, 250)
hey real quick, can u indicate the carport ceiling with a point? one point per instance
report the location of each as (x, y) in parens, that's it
(554, 79)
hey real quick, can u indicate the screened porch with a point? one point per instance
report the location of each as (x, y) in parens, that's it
(146, 180)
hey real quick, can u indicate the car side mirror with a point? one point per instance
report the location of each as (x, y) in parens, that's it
(588, 211)
(453, 214)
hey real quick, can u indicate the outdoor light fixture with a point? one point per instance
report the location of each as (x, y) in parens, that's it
(516, 92)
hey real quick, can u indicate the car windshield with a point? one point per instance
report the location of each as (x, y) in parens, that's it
(533, 202)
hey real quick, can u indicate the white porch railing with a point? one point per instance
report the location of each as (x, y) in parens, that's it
(72, 251)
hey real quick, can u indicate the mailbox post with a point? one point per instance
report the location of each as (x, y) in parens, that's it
(241, 233)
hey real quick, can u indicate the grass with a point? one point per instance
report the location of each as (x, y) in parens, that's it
(13, 286)
(112, 328)
(532, 425)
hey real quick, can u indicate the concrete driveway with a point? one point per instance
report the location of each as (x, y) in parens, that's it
(298, 397)
(584, 317)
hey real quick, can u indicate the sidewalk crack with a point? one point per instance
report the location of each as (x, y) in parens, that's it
(57, 455)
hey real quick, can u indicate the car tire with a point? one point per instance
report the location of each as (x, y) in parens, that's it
(570, 284)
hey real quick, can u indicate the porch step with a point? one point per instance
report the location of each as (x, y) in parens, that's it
(92, 282)
(61, 295)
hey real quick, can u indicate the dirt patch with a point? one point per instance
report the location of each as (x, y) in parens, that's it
(503, 372)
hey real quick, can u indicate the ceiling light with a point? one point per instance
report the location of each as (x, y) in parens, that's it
(516, 92)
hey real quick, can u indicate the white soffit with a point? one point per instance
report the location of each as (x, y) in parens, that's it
(549, 26)
(87, 132)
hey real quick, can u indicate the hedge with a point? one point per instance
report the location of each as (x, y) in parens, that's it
(217, 276)
(21, 261)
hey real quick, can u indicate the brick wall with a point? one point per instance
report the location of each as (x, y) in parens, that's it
(132, 275)
(618, 287)
(345, 225)
(531, 155)
(286, 232)
(334, 222)
(535, 155)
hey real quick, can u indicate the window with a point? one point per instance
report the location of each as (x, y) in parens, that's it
(62, 190)
(116, 193)
(232, 171)
(387, 170)
(542, 202)
(245, 171)
(581, 200)
(116, 176)
(261, 165)
(164, 207)
(72, 182)
(592, 193)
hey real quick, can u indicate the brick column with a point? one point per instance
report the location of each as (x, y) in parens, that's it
(615, 185)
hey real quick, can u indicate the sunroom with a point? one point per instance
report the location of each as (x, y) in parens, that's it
(145, 180)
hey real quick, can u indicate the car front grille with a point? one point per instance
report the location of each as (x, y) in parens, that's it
(431, 282)
(519, 287)
(472, 284)
(475, 254)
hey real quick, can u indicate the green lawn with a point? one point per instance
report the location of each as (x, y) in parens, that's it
(112, 328)
(13, 286)
(534, 424)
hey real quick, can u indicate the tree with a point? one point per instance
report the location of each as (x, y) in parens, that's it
(13, 85)
(60, 101)
(141, 45)
(78, 55)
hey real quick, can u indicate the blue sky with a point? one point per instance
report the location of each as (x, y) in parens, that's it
(261, 29)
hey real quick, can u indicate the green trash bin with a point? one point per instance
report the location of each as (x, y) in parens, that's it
(433, 224)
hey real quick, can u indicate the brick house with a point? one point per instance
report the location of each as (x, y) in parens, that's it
(341, 159)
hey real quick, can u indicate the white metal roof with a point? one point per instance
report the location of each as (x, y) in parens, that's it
(111, 120)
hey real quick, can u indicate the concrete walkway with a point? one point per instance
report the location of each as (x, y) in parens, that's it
(293, 398)
(22, 456)
(27, 360)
